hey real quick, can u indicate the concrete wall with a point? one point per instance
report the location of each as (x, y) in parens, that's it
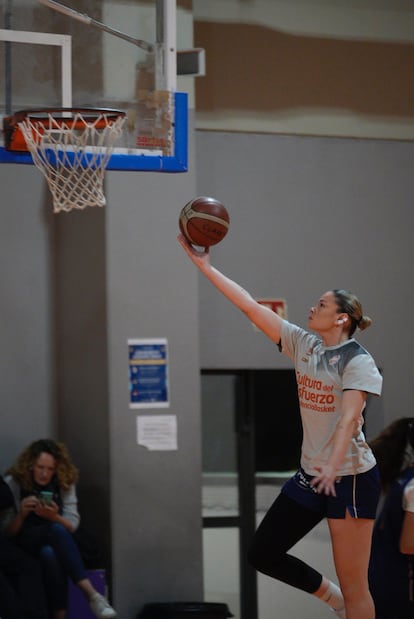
(338, 68)
(307, 215)
(28, 369)
(152, 292)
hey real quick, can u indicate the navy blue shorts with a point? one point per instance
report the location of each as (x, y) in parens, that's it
(359, 494)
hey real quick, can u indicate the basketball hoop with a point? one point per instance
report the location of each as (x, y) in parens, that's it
(71, 147)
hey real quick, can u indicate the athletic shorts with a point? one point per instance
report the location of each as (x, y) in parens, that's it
(359, 494)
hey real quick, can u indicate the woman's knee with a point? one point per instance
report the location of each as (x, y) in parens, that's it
(264, 556)
(58, 529)
(59, 536)
(47, 553)
(48, 559)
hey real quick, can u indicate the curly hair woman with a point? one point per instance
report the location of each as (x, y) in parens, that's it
(391, 572)
(42, 481)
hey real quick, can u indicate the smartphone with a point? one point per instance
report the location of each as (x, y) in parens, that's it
(46, 497)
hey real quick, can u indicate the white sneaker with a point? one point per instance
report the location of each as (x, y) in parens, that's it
(101, 607)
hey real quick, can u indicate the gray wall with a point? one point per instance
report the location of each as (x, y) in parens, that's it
(81, 352)
(27, 376)
(307, 215)
(152, 292)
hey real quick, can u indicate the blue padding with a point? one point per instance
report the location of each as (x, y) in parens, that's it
(145, 163)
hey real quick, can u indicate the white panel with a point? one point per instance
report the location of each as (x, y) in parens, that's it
(43, 38)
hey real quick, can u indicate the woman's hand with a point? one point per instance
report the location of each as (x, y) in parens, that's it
(353, 402)
(200, 258)
(324, 481)
(48, 512)
(28, 504)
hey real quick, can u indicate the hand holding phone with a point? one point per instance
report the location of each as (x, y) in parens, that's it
(46, 497)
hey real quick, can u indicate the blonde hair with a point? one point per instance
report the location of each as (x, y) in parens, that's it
(348, 303)
(66, 472)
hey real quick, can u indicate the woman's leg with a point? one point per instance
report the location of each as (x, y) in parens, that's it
(351, 543)
(283, 526)
(68, 553)
(55, 580)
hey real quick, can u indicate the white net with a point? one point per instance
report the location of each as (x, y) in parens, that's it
(72, 153)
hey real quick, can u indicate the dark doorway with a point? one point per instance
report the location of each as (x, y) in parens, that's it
(251, 427)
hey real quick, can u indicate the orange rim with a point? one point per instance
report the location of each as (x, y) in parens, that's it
(14, 139)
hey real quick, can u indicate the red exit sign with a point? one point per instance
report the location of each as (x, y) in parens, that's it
(279, 306)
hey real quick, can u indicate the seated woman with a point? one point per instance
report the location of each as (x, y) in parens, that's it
(42, 481)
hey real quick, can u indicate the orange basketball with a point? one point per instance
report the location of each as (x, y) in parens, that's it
(204, 221)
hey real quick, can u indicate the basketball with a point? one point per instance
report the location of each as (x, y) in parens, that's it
(204, 221)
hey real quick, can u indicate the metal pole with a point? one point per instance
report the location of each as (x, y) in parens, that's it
(89, 21)
(169, 12)
(8, 61)
(247, 492)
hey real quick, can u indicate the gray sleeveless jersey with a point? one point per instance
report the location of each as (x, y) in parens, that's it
(322, 374)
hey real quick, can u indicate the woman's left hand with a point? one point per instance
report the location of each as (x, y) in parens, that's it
(324, 481)
(49, 512)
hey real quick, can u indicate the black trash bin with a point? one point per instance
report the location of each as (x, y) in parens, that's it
(185, 610)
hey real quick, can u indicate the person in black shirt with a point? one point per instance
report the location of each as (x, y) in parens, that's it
(22, 594)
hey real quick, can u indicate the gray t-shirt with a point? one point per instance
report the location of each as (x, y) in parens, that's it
(322, 374)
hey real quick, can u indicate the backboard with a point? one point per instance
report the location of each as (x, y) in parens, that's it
(117, 54)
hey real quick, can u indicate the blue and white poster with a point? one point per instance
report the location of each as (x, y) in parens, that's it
(148, 373)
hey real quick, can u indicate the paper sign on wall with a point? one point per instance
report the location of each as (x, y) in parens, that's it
(157, 432)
